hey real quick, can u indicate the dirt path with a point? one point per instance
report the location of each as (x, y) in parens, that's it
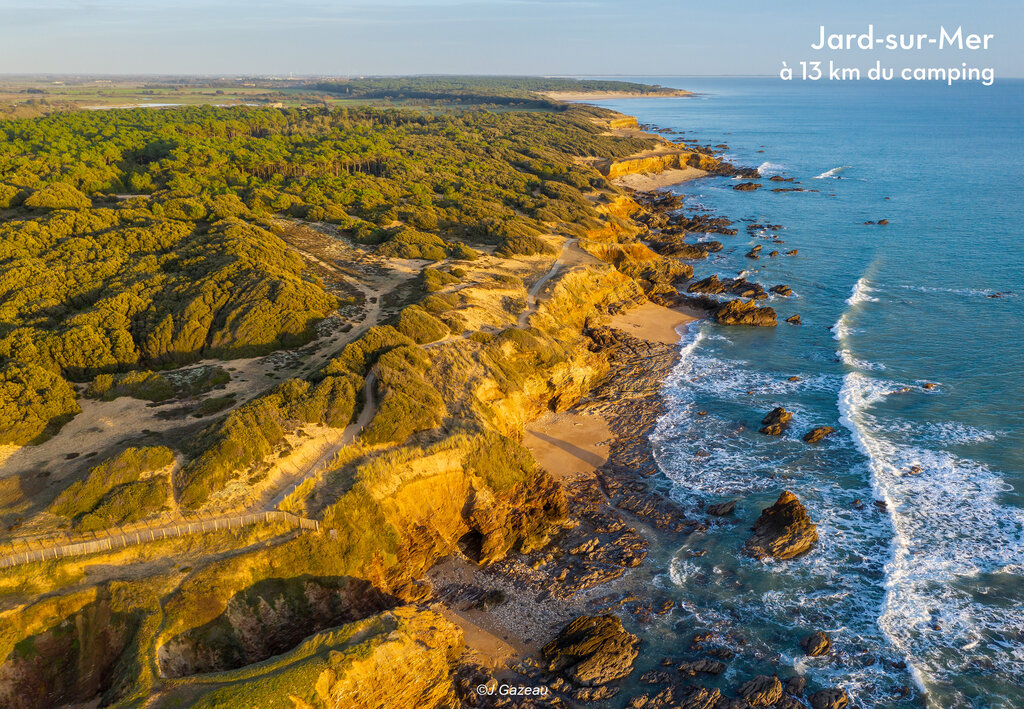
(531, 295)
(349, 435)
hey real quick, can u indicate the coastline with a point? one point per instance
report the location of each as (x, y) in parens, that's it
(569, 96)
(651, 181)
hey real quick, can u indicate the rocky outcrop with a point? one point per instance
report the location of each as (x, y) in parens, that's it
(722, 509)
(793, 320)
(830, 699)
(762, 691)
(783, 531)
(747, 186)
(817, 644)
(640, 263)
(705, 666)
(781, 289)
(736, 312)
(775, 422)
(713, 285)
(818, 433)
(592, 650)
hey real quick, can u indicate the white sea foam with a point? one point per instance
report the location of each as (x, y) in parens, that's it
(841, 331)
(948, 527)
(830, 173)
(971, 292)
(861, 293)
(770, 168)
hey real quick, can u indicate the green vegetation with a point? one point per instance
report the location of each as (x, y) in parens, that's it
(135, 243)
(523, 246)
(434, 280)
(417, 324)
(113, 492)
(522, 91)
(408, 403)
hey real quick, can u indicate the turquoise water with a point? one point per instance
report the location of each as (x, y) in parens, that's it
(924, 599)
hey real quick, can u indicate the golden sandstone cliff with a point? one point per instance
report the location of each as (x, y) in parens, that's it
(342, 617)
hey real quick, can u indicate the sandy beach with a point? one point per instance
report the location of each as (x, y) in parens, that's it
(649, 181)
(571, 445)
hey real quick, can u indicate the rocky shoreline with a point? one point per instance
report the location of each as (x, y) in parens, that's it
(582, 604)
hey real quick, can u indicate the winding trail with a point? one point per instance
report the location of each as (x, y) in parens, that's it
(531, 295)
(45, 548)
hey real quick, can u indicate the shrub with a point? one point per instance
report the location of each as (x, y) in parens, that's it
(407, 402)
(434, 280)
(34, 403)
(145, 385)
(127, 503)
(215, 404)
(359, 356)
(523, 246)
(420, 326)
(58, 195)
(126, 467)
(502, 462)
(8, 196)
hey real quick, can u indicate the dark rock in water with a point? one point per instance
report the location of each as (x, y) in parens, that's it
(818, 433)
(709, 667)
(866, 223)
(773, 254)
(792, 252)
(722, 509)
(747, 186)
(928, 386)
(780, 178)
(732, 703)
(793, 379)
(736, 286)
(781, 289)
(794, 319)
(762, 691)
(795, 686)
(697, 698)
(594, 694)
(788, 702)
(592, 650)
(776, 421)
(817, 644)
(655, 677)
(883, 222)
(736, 312)
(830, 699)
(747, 173)
(783, 531)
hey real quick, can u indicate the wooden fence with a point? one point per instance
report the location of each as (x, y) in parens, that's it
(39, 549)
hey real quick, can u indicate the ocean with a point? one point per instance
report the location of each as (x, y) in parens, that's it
(919, 495)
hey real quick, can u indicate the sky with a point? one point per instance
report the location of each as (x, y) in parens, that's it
(549, 37)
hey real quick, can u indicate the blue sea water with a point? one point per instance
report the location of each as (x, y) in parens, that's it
(924, 595)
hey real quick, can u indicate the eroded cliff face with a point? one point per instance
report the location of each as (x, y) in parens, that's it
(267, 619)
(70, 660)
(657, 162)
(401, 658)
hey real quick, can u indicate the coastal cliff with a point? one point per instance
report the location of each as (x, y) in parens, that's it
(458, 324)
